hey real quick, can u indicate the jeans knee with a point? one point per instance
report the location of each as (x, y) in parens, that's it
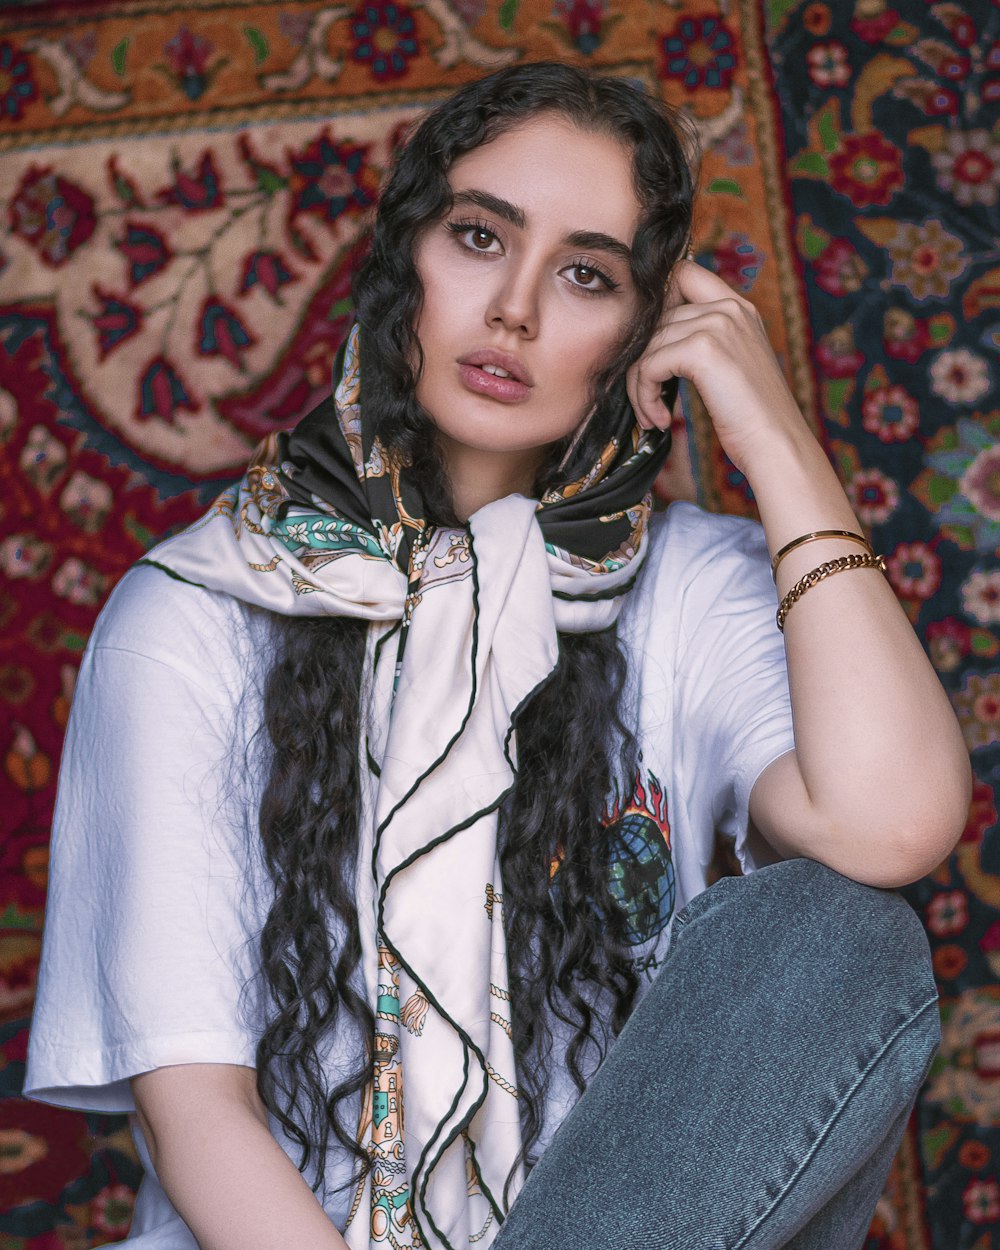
(815, 935)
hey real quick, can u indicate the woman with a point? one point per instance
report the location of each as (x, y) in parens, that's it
(480, 721)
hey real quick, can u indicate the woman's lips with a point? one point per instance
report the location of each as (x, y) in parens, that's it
(498, 374)
(478, 380)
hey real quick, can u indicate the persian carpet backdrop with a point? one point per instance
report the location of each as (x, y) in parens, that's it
(183, 183)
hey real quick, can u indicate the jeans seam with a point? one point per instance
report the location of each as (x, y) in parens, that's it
(827, 1128)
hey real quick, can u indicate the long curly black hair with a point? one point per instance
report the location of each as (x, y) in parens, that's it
(567, 946)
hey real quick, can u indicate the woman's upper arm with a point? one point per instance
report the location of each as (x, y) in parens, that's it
(169, 1100)
(144, 956)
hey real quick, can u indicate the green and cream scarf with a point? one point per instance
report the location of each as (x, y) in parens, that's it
(463, 631)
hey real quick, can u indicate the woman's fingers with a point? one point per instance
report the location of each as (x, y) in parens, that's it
(683, 347)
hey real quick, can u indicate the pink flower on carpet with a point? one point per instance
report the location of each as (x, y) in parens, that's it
(735, 259)
(969, 167)
(926, 259)
(52, 214)
(21, 555)
(187, 52)
(836, 354)
(162, 393)
(978, 708)
(839, 269)
(875, 496)
(86, 501)
(914, 570)
(981, 1201)
(146, 251)
(980, 483)
(817, 18)
(330, 179)
(960, 26)
(873, 27)
(960, 377)
(949, 642)
(82, 47)
(935, 99)
(195, 192)
(947, 913)
(904, 336)
(188, 56)
(981, 596)
(867, 169)
(828, 64)
(79, 583)
(43, 458)
(19, 1149)
(891, 413)
(222, 333)
(982, 812)
(117, 320)
(950, 961)
(111, 1210)
(266, 269)
(584, 20)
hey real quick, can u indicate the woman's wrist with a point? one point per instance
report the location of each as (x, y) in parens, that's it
(798, 492)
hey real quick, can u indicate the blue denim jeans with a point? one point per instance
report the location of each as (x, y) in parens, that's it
(757, 1095)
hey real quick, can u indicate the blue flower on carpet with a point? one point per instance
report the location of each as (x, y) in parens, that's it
(385, 38)
(221, 333)
(145, 249)
(266, 269)
(701, 52)
(162, 393)
(17, 86)
(329, 179)
(962, 482)
(197, 191)
(116, 321)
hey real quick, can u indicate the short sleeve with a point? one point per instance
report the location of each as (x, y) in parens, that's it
(711, 679)
(145, 944)
(733, 705)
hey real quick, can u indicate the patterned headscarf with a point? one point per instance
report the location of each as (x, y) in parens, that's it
(463, 630)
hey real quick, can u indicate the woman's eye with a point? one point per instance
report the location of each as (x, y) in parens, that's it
(590, 278)
(477, 238)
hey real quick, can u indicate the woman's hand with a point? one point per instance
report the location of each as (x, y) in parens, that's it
(878, 784)
(716, 339)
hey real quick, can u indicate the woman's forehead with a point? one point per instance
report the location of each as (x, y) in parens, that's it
(547, 166)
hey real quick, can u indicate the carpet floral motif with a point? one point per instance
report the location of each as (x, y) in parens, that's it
(893, 166)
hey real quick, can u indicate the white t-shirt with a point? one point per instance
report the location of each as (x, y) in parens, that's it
(156, 890)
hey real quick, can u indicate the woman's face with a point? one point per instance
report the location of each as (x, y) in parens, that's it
(526, 289)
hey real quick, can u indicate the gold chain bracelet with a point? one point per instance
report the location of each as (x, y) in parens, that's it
(847, 535)
(816, 575)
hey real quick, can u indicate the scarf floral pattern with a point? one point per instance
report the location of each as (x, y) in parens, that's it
(463, 629)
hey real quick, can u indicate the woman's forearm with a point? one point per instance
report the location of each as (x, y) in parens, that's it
(231, 1182)
(878, 747)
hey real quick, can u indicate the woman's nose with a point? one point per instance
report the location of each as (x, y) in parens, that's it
(514, 302)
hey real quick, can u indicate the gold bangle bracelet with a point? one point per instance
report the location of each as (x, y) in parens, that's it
(818, 574)
(848, 535)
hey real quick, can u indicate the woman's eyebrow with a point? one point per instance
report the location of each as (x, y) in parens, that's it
(592, 239)
(595, 240)
(493, 204)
